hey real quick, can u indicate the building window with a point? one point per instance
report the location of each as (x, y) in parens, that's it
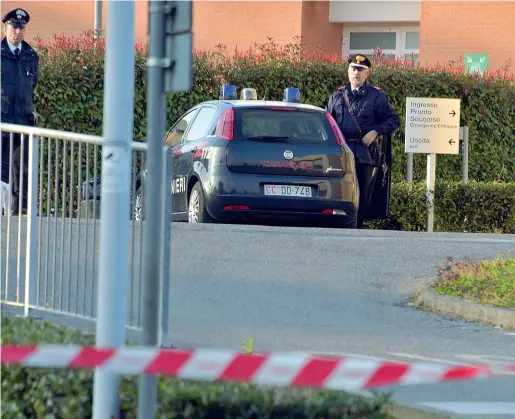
(371, 40)
(394, 42)
(412, 45)
(412, 41)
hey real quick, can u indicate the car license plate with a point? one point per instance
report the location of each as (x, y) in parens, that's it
(288, 190)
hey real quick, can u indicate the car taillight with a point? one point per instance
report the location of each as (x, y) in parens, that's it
(336, 129)
(334, 212)
(226, 125)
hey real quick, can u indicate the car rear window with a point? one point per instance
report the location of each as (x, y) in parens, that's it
(298, 125)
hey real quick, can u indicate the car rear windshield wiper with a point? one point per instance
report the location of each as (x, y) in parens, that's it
(268, 138)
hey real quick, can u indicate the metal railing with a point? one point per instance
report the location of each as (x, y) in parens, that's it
(49, 253)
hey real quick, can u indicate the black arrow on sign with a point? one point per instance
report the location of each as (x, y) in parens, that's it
(452, 113)
(451, 141)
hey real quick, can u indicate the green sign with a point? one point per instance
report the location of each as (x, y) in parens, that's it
(476, 63)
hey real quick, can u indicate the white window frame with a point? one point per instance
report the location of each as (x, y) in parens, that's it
(400, 39)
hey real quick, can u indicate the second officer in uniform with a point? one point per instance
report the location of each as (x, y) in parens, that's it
(20, 73)
(363, 113)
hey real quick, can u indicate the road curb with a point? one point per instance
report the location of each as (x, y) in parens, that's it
(424, 298)
(404, 411)
(401, 410)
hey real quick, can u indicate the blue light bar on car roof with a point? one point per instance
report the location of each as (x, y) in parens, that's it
(291, 94)
(228, 92)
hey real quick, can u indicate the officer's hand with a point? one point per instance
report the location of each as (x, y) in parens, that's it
(370, 138)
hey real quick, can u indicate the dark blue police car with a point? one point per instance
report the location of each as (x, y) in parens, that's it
(256, 159)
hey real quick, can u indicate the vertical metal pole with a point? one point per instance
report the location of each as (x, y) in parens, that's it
(153, 201)
(113, 275)
(409, 168)
(430, 188)
(166, 247)
(32, 236)
(98, 16)
(465, 155)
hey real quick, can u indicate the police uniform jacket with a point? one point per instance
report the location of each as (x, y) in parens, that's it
(372, 110)
(20, 76)
(19, 79)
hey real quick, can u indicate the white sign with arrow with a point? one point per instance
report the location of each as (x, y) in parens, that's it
(432, 125)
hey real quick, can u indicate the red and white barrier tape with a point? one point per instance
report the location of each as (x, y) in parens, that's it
(279, 368)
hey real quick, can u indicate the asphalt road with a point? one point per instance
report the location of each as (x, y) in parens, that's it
(321, 290)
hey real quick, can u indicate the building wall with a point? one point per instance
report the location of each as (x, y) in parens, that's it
(317, 32)
(214, 22)
(448, 29)
(48, 17)
(451, 29)
(234, 23)
(371, 11)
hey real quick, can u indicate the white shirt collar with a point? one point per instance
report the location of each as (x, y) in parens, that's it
(358, 89)
(12, 47)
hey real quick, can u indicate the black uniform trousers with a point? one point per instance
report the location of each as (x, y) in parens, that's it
(21, 176)
(364, 174)
(19, 169)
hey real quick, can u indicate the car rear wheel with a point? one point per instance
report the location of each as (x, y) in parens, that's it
(197, 213)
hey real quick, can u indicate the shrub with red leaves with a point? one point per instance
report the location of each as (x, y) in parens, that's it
(70, 94)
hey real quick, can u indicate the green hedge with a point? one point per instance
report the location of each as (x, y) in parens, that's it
(67, 394)
(476, 207)
(70, 95)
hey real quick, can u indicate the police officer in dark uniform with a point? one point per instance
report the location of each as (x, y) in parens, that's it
(20, 73)
(363, 113)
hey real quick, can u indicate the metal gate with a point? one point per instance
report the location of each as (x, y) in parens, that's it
(49, 253)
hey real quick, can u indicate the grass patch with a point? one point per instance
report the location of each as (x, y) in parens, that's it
(489, 282)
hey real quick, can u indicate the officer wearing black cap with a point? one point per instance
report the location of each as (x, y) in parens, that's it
(363, 113)
(20, 73)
